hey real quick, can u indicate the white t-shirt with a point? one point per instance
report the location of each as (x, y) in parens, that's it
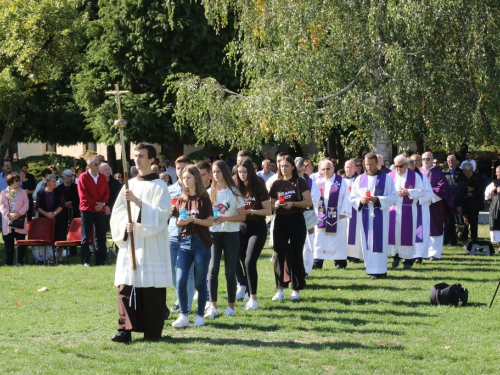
(227, 204)
(472, 161)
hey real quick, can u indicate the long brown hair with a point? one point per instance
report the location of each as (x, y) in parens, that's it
(290, 160)
(252, 180)
(226, 174)
(201, 192)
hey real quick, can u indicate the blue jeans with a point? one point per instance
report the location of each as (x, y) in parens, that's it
(192, 251)
(174, 250)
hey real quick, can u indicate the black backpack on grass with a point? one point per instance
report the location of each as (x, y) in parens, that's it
(445, 294)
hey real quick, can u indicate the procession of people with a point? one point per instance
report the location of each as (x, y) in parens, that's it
(177, 235)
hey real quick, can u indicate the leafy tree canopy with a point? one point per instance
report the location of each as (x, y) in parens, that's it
(412, 69)
(137, 44)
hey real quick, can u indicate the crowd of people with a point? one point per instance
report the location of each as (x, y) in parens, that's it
(187, 218)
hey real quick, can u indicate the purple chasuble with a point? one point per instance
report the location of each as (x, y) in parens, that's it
(378, 220)
(329, 220)
(406, 214)
(439, 210)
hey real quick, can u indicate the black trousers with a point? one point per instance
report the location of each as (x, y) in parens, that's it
(98, 221)
(143, 311)
(253, 235)
(289, 228)
(450, 235)
(8, 240)
(473, 218)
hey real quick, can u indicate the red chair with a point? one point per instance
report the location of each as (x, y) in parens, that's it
(74, 236)
(40, 233)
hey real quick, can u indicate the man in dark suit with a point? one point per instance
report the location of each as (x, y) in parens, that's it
(457, 180)
(474, 202)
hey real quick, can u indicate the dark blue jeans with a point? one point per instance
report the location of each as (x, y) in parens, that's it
(192, 250)
(98, 221)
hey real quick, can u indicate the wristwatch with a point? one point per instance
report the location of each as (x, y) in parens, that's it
(139, 202)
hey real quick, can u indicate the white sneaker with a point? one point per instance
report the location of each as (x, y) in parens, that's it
(195, 296)
(199, 321)
(246, 298)
(207, 305)
(229, 311)
(295, 296)
(211, 312)
(240, 292)
(279, 296)
(181, 321)
(251, 305)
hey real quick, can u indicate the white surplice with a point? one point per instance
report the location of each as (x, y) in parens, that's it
(416, 192)
(333, 246)
(376, 263)
(152, 250)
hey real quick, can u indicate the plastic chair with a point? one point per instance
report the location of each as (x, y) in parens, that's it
(40, 233)
(74, 236)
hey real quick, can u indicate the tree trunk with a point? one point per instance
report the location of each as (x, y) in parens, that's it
(176, 148)
(111, 156)
(8, 131)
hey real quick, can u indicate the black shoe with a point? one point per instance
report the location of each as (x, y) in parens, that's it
(407, 267)
(433, 258)
(167, 312)
(395, 263)
(123, 336)
(418, 260)
(379, 276)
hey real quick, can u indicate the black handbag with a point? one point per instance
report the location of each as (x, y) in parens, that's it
(17, 223)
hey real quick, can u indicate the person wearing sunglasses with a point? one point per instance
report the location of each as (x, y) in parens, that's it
(442, 204)
(468, 159)
(403, 215)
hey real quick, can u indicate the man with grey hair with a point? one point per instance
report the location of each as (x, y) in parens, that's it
(354, 251)
(133, 172)
(440, 207)
(94, 194)
(403, 215)
(266, 172)
(381, 164)
(330, 241)
(474, 202)
(417, 160)
(458, 186)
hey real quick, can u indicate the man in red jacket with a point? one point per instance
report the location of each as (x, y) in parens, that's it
(94, 193)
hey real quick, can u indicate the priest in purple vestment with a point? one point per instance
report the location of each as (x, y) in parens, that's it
(442, 203)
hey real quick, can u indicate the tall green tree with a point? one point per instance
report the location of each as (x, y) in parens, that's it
(138, 44)
(407, 69)
(39, 39)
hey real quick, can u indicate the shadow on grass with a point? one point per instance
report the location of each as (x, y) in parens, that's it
(358, 302)
(338, 345)
(358, 287)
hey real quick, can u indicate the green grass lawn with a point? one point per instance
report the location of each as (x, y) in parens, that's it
(344, 323)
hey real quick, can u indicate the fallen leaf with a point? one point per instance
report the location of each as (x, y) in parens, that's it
(42, 289)
(447, 347)
(16, 350)
(18, 304)
(338, 289)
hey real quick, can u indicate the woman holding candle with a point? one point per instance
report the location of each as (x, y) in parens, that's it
(253, 232)
(194, 211)
(290, 195)
(227, 199)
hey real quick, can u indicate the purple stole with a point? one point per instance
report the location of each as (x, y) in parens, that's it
(352, 224)
(329, 220)
(378, 220)
(406, 214)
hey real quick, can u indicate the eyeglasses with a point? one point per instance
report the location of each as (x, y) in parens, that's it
(435, 162)
(426, 159)
(400, 166)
